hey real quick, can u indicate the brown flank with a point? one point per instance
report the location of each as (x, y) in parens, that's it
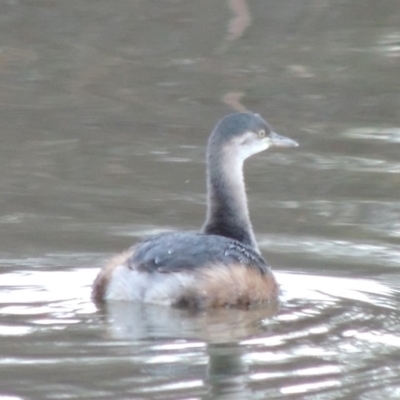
(103, 278)
(236, 285)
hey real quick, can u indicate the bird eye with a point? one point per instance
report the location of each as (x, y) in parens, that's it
(261, 133)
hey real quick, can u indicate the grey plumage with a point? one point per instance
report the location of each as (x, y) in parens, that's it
(185, 251)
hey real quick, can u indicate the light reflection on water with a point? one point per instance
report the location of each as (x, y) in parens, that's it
(341, 162)
(347, 252)
(389, 45)
(323, 328)
(329, 334)
(389, 135)
(105, 109)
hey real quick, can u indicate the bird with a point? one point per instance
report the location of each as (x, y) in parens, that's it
(218, 266)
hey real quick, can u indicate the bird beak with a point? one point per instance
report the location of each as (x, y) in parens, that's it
(281, 141)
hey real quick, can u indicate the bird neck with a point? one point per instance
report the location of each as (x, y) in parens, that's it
(227, 210)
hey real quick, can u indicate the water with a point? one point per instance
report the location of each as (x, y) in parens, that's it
(105, 109)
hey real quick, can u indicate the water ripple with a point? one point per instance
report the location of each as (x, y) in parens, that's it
(324, 329)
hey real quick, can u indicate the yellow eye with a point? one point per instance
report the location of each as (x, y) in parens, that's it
(261, 133)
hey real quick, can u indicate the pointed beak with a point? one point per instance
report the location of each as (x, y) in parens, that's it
(281, 141)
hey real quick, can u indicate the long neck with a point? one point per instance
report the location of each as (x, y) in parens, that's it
(227, 211)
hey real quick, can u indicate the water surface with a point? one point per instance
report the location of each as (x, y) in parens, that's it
(105, 110)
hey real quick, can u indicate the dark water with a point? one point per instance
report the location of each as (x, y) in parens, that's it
(105, 107)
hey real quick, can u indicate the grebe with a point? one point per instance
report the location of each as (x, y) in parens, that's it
(221, 266)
